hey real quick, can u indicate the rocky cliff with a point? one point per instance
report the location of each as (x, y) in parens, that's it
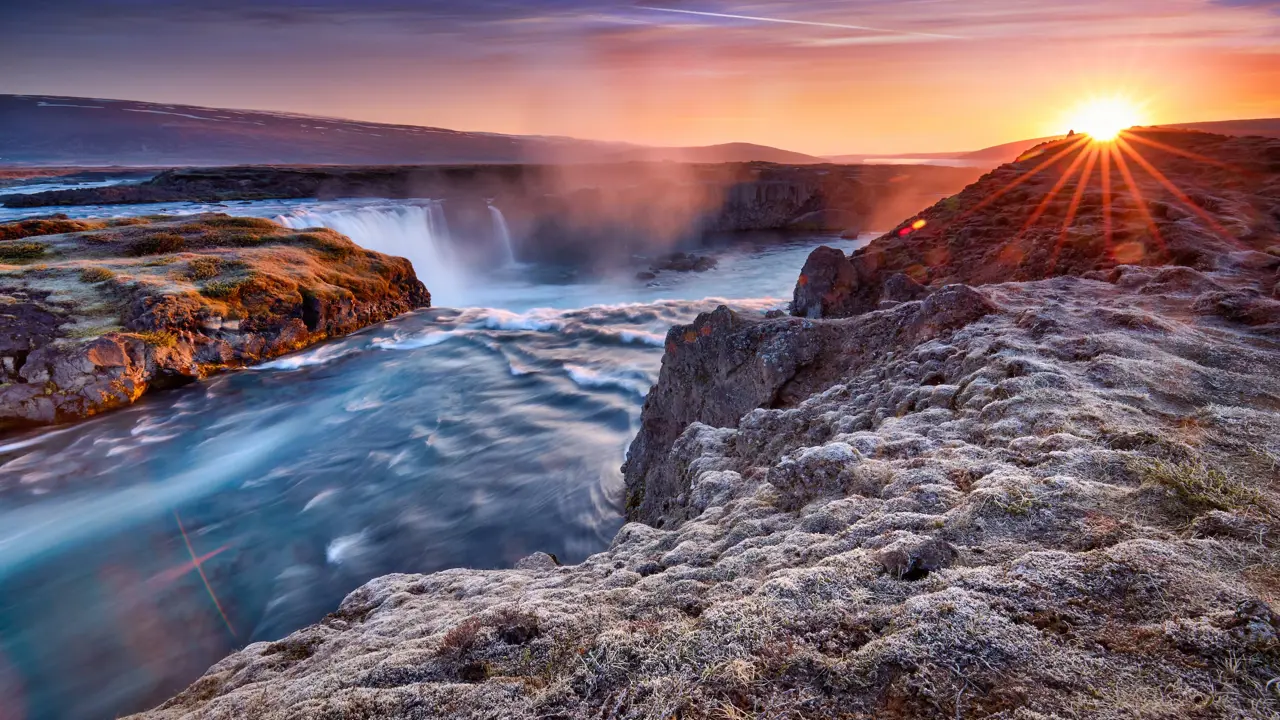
(1050, 498)
(582, 214)
(95, 313)
(1069, 207)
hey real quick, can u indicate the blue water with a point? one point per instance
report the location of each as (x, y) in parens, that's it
(456, 436)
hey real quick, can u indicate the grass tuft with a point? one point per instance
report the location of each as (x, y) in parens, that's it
(221, 288)
(96, 275)
(22, 250)
(203, 268)
(1202, 487)
(158, 338)
(157, 244)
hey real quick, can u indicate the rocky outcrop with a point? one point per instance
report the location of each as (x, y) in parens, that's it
(678, 262)
(588, 216)
(1050, 498)
(1196, 199)
(111, 310)
(723, 366)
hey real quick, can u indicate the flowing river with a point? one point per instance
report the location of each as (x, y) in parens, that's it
(139, 548)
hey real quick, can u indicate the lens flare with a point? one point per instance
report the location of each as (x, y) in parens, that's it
(1103, 119)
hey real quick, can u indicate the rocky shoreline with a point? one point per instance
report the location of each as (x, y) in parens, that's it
(1050, 492)
(96, 313)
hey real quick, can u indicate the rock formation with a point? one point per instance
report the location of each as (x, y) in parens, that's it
(95, 313)
(584, 215)
(1036, 218)
(1051, 498)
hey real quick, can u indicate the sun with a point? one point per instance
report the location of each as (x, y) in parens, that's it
(1102, 119)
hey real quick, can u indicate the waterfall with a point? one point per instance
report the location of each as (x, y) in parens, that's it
(416, 232)
(504, 234)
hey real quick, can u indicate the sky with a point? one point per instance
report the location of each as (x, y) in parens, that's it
(816, 76)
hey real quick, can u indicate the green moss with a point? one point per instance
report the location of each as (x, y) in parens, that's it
(226, 221)
(44, 226)
(203, 268)
(157, 244)
(1201, 487)
(234, 237)
(1019, 502)
(22, 250)
(158, 338)
(221, 288)
(96, 275)
(331, 244)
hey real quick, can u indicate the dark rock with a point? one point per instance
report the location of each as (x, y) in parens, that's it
(900, 288)
(825, 285)
(914, 557)
(683, 262)
(537, 561)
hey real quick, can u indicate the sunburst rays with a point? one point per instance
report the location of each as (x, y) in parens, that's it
(1120, 168)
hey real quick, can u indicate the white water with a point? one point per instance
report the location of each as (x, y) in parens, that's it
(417, 232)
(504, 235)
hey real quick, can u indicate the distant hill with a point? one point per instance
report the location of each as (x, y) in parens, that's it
(728, 152)
(48, 130)
(45, 130)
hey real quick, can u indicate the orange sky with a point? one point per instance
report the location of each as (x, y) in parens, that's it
(823, 77)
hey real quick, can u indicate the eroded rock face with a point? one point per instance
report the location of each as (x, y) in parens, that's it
(103, 319)
(1213, 206)
(722, 366)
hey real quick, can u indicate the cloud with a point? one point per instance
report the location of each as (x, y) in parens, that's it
(785, 21)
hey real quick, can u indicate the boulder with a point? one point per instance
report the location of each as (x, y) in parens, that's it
(825, 286)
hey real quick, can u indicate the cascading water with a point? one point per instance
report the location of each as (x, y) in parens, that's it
(504, 235)
(417, 232)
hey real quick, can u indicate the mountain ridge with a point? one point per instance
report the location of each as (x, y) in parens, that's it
(75, 131)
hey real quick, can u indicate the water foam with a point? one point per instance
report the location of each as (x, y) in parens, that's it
(592, 378)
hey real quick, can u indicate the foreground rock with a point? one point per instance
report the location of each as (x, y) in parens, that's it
(95, 313)
(1055, 498)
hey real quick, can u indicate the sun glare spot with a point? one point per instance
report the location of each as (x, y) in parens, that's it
(1104, 118)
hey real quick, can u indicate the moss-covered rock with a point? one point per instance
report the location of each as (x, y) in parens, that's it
(117, 308)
